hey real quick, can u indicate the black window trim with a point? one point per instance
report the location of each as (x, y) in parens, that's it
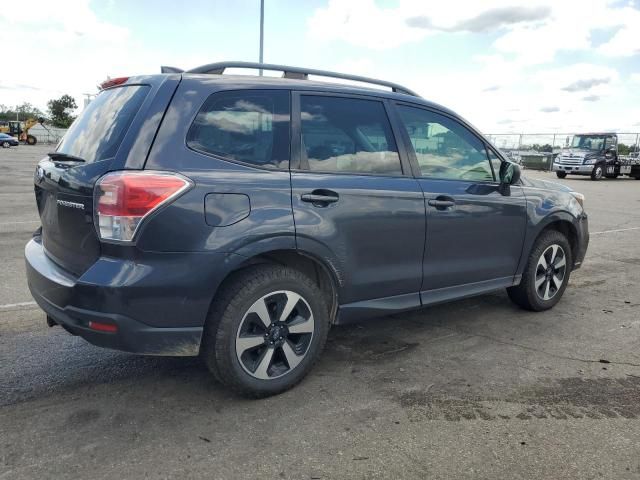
(412, 154)
(272, 168)
(296, 134)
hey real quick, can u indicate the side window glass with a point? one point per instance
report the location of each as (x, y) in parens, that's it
(445, 148)
(250, 126)
(348, 136)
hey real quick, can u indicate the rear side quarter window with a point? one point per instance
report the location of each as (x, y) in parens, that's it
(247, 126)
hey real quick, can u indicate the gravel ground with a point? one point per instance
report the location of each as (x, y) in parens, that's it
(470, 389)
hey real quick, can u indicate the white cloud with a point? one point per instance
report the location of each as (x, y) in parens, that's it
(520, 69)
(534, 33)
(62, 47)
(362, 23)
(66, 48)
(625, 43)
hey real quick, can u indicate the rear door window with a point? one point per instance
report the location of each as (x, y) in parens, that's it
(98, 132)
(347, 135)
(249, 126)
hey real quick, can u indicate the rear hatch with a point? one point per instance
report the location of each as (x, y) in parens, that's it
(65, 179)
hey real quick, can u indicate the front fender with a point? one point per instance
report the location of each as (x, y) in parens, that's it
(545, 207)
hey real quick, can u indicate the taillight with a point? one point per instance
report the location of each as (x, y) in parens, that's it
(112, 82)
(124, 199)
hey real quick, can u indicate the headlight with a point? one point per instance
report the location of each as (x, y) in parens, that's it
(589, 161)
(579, 197)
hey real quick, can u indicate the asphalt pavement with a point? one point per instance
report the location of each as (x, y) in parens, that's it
(470, 389)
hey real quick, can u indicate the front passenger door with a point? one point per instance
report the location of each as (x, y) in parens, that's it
(474, 233)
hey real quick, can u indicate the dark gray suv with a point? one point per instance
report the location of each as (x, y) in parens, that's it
(239, 217)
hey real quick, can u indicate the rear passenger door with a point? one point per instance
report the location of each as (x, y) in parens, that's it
(474, 232)
(355, 204)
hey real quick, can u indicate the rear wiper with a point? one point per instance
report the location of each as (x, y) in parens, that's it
(64, 157)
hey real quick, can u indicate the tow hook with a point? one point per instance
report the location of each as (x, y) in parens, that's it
(51, 322)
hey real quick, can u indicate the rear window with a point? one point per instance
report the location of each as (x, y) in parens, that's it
(98, 132)
(250, 126)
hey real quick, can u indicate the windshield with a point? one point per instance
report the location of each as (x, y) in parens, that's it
(97, 133)
(588, 142)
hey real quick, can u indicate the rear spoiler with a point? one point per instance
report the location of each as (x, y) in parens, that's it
(167, 69)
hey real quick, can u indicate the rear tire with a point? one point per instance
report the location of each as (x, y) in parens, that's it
(6, 144)
(546, 274)
(561, 174)
(265, 331)
(597, 173)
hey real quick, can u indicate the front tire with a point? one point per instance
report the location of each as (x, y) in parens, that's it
(546, 275)
(597, 173)
(31, 140)
(561, 174)
(265, 331)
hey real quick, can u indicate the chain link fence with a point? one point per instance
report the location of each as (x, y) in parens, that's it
(540, 148)
(47, 135)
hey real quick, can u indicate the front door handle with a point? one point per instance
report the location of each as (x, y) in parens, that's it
(320, 198)
(442, 203)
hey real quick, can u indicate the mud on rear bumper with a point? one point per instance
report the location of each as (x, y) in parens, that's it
(54, 290)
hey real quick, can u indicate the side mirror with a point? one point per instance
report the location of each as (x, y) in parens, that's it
(509, 175)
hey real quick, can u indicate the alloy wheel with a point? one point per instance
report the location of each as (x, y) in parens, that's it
(598, 172)
(274, 335)
(550, 272)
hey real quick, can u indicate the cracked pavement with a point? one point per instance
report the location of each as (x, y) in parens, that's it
(470, 389)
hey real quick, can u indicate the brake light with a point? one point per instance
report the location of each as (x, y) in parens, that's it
(103, 327)
(124, 199)
(112, 82)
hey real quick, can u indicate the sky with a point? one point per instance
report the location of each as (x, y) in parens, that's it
(506, 66)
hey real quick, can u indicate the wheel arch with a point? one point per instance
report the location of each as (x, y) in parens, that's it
(321, 272)
(561, 222)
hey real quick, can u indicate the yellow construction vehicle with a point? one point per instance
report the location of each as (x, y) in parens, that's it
(21, 129)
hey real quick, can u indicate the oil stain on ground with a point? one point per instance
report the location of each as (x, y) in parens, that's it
(563, 399)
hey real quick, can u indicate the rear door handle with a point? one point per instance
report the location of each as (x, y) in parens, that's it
(441, 204)
(320, 197)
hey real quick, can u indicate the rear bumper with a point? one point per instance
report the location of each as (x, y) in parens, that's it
(573, 169)
(157, 304)
(131, 336)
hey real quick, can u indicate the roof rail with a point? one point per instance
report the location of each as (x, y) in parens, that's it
(289, 72)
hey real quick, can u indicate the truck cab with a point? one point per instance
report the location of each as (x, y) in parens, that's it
(593, 154)
(596, 155)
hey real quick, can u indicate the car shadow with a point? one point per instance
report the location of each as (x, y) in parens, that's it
(72, 365)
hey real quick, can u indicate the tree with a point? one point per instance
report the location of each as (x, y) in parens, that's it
(26, 110)
(61, 111)
(20, 112)
(623, 149)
